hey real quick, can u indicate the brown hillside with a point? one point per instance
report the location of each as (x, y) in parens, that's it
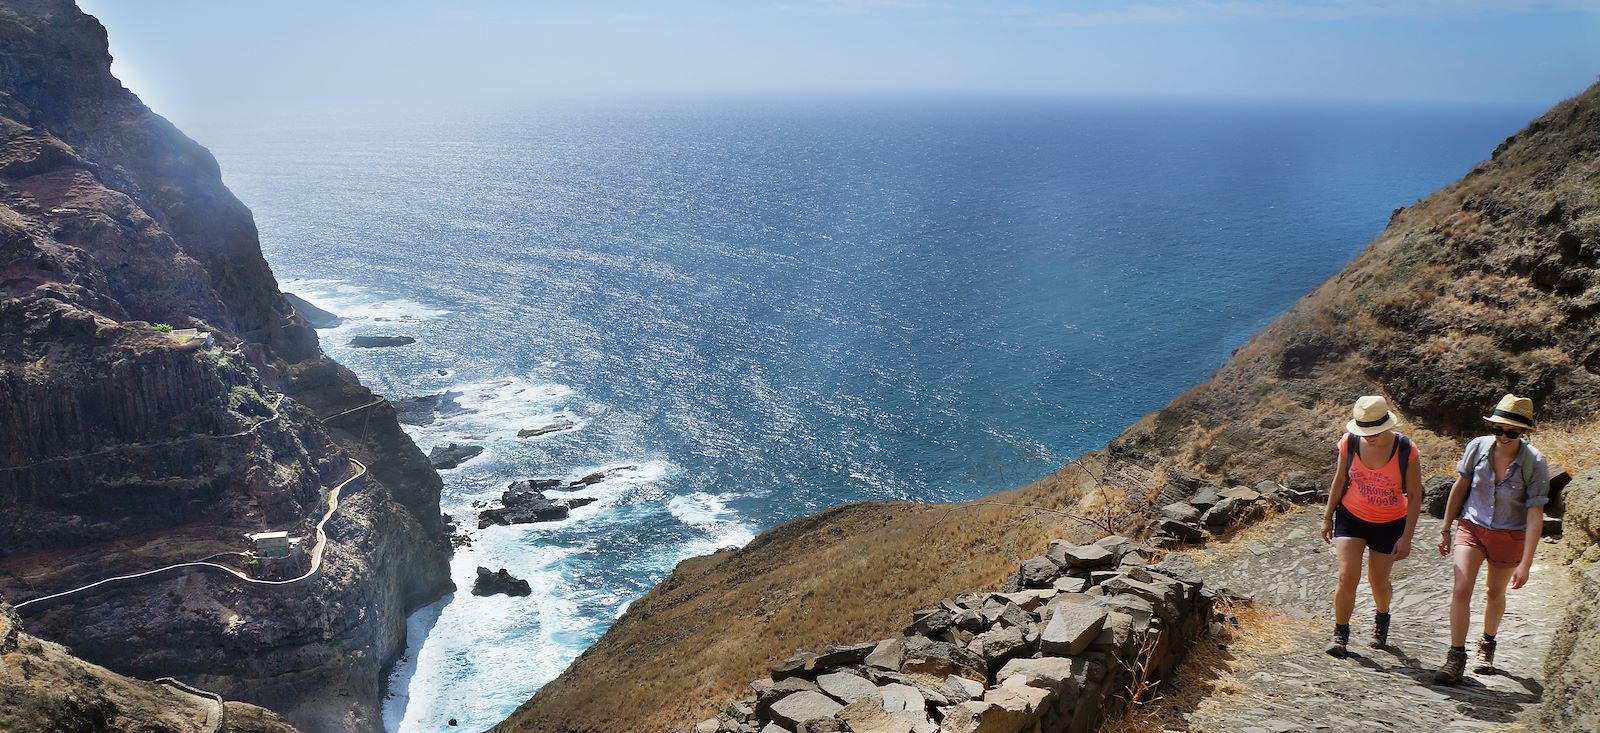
(1485, 287)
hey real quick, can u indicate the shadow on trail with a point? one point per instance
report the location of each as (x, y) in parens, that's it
(1479, 701)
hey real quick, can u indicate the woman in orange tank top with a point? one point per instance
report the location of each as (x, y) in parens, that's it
(1372, 513)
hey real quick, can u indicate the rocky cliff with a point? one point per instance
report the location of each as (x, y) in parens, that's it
(1488, 286)
(127, 444)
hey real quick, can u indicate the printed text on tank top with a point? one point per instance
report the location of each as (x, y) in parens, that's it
(1375, 494)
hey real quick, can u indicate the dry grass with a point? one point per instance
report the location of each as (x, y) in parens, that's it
(1211, 670)
(1573, 446)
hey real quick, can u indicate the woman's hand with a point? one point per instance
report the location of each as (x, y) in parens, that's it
(1444, 540)
(1327, 530)
(1520, 577)
(1402, 549)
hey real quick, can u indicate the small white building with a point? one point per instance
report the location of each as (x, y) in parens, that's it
(271, 545)
(193, 338)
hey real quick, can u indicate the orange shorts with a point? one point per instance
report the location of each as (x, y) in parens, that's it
(1502, 547)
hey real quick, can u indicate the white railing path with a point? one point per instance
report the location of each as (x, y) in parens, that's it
(316, 556)
(211, 700)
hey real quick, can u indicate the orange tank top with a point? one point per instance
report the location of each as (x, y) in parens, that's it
(1376, 496)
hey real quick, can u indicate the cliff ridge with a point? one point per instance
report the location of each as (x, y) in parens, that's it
(127, 445)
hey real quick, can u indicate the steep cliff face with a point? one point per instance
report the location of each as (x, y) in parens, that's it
(1486, 287)
(125, 448)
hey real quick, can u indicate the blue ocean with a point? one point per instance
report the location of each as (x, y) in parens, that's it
(745, 310)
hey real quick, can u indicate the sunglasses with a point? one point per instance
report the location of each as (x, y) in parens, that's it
(1512, 434)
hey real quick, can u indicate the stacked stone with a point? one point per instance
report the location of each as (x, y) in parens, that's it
(1214, 511)
(1081, 629)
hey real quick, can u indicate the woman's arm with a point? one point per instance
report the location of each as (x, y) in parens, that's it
(1335, 493)
(1458, 497)
(1538, 494)
(1452, 509)
(1413, 508)
(1530, 544)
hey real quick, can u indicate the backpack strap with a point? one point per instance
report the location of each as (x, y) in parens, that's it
(1477, 452)
(1403, 444)
(1351, 445)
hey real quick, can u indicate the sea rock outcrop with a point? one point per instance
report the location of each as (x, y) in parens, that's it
(521, 504)
(314, 316)
(380, 342)
(555, 425)
(123, 449)
(492, 582)
(444, 457)
(427, 408)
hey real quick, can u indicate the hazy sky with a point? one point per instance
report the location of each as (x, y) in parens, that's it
(197, 57)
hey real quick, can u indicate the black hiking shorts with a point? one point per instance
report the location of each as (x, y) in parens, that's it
(1381, 538)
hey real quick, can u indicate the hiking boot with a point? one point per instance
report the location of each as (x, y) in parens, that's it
(1337, 644)
(1455, 665)
(1485, 663)
(1380, 631)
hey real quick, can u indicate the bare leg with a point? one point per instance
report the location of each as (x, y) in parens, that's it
(1466, 561)
(1349, 551)
(1494, 606)
(1379, 566)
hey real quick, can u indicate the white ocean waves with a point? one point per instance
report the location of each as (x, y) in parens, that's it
(472, 658)
(359, 306)
(504, 410)
(718, 525)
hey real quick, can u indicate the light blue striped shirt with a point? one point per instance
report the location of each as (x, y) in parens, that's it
(1502, 504)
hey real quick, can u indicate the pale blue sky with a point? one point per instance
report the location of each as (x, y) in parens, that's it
(191, 58)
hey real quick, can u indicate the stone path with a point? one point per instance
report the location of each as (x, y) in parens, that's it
(1290, 572)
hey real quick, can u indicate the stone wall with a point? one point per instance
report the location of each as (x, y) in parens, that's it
(1090, 627)
(1078, 634)
(1572, 667)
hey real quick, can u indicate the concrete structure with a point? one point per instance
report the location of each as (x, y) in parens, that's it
(192, 337)
(271, 544)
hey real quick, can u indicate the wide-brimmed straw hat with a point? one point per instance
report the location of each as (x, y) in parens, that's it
(1371, 416)
(1514, 411)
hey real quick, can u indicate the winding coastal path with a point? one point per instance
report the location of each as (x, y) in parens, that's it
(1281, 681)
(316, 557)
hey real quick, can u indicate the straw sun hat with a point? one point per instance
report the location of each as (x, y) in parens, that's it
(1371, 416)
(1514, 411)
